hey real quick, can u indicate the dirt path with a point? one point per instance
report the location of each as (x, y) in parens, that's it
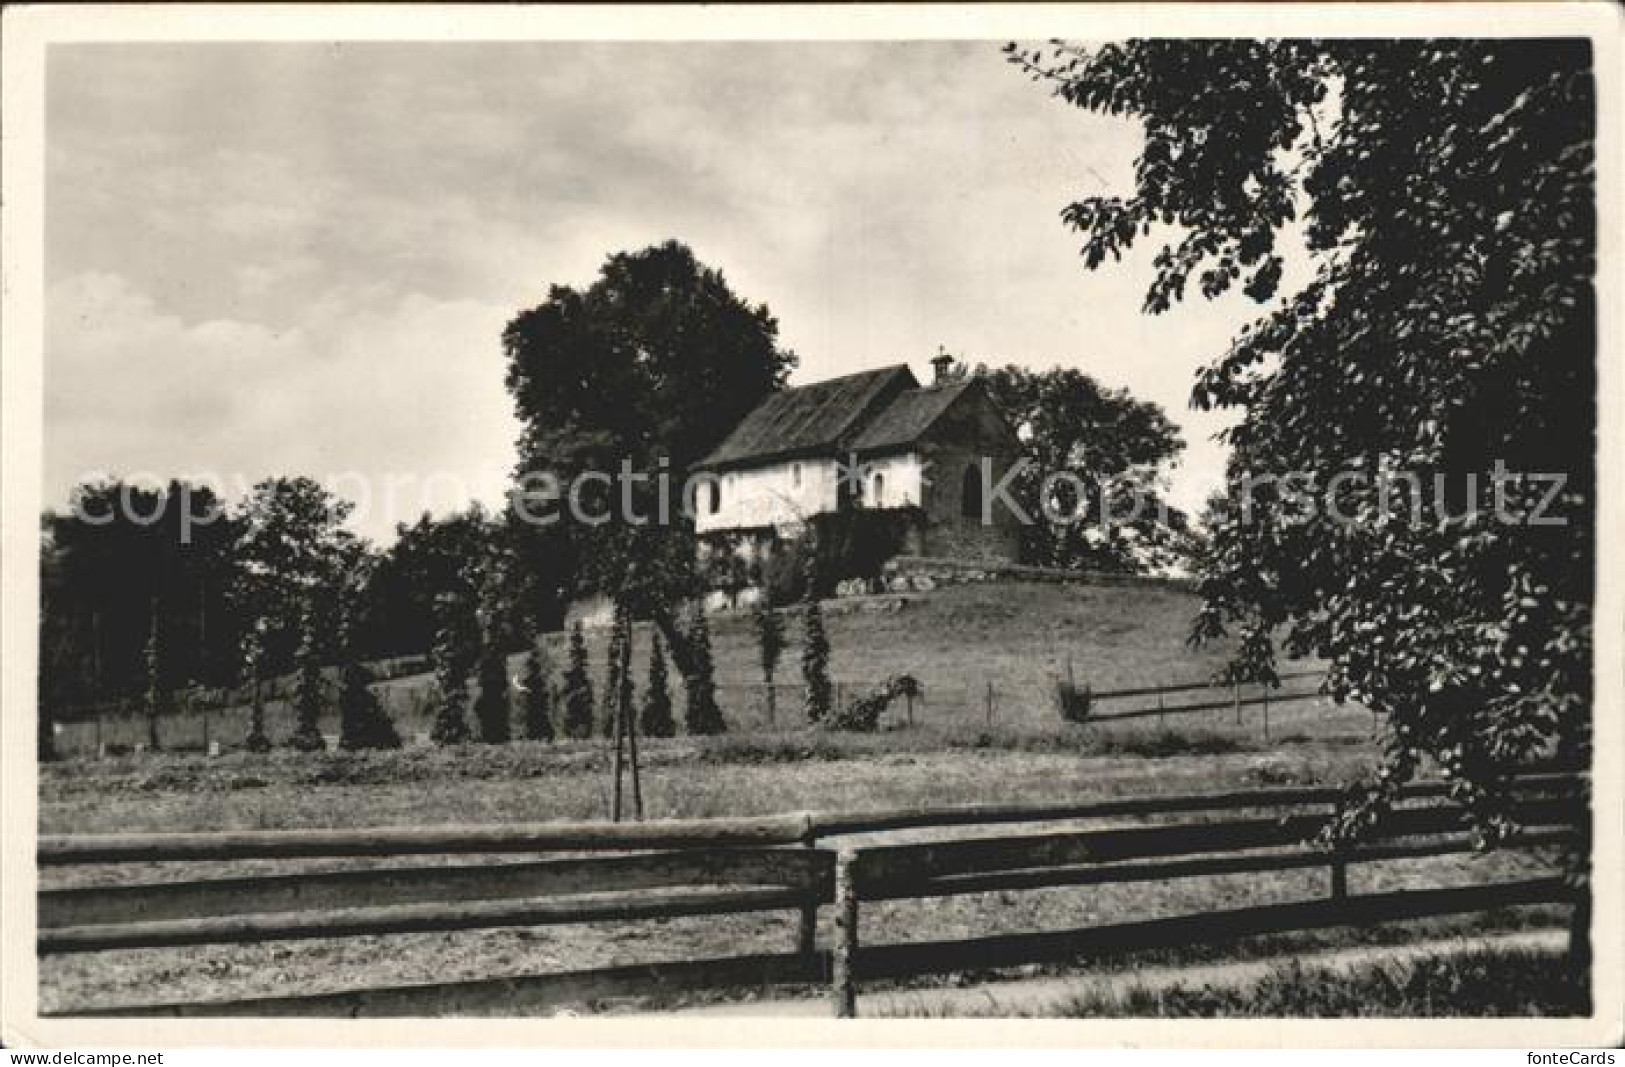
(1040, 996)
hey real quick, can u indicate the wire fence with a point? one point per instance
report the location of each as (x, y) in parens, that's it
(990, 704)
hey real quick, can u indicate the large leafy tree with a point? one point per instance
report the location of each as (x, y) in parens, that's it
(294, 555)
(651, 365)
(1099, 456)
(1445, 192)
(430, 557)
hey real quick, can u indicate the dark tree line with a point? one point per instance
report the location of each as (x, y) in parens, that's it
(106, 572)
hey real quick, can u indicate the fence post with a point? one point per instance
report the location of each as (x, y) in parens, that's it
(1266, 691)
(990, 703)
(807, 931)
(1340, 874)
(844, 985)
(1235, 698)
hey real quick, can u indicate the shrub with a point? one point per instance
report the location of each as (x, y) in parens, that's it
(700, 712)
(308, 696)
(618, 697)
(577, 693)
(1073, 701)
(491, 707)
(538, 695)
(656, 717)
(863, 714)
(818, 692)
(363, 723)
(770, 644)
(451, 674)
(157, 696)
(834, 548)
(253, 659)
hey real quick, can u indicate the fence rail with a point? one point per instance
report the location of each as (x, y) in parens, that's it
(797, 863)
(197, 724)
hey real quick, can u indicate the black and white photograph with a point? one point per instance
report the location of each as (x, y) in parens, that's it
(781, 522)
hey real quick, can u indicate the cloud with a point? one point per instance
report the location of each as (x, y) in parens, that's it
(286, 257)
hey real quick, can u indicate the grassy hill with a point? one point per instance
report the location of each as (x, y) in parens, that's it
(1016, 637)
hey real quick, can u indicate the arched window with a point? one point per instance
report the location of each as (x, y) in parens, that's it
(878, 490)
(713, 499)
(795, 476)
(970, 493)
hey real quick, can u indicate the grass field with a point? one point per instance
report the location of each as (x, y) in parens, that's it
(1479, 983)
(1015, 638)
(528, 782)
(954, 640)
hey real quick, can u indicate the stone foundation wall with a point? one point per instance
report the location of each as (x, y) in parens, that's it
(919, 573)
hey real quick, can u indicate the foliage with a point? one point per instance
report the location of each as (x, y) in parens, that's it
(649, 366)
(700, 712)
(1114, 448)
(491, 707)
(615, 660)
(292, 554)
(836, 546)
(818, 691)
(1072, 700)
(538, 699)
(363, 723)
(309, 698)
(656, 719)
(453, 656)
(102, 563)
(769, 626)
(157, 693)
(577, 692)
(1445, 190)
(253, 657)
(863, 714)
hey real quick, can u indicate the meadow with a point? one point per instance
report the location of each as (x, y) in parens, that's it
(954, 640)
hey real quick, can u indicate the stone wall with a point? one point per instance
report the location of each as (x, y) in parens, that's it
(919, 573)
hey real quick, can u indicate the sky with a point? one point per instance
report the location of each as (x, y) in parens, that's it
(298, 258)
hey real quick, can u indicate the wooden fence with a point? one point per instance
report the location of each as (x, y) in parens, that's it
(620, 872)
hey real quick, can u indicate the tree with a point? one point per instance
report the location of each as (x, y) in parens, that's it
(614, 670)
(618, 701)
(363, 723)
(103, 561)
(818, 692)
(428, 558)
(253, 672)
(770, 646)
(452, 659)
(491, 708)
(700, 712)
(538, 697)
(1113, 452)
(157, 692)
(1446, 192)
(294, 554)
(577, 693)
(656, 719)
(309, 698)
(650, 365)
